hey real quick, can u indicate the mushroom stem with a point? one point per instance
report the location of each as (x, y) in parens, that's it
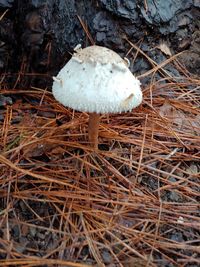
(93, 129)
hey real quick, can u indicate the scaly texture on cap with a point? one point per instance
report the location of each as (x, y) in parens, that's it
(96, 79)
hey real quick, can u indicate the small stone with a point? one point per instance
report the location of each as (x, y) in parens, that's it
(33, 231)
(172, 179)
(193, 169)
(180, 220)
(16, 231)
(21, 248)
(4, 100)
(178, 237)
(106, 256)
(174, 196)
(40, 235)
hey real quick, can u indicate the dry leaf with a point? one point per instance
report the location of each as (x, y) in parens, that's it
(164, 48)
(181, 120)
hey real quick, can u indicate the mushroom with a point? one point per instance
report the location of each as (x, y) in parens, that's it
(97, 80)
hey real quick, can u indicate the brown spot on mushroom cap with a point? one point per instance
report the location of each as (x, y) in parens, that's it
(94, 54)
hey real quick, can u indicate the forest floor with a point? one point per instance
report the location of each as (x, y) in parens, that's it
(134, 202)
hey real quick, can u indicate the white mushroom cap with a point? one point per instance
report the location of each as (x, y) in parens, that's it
(96, 79)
